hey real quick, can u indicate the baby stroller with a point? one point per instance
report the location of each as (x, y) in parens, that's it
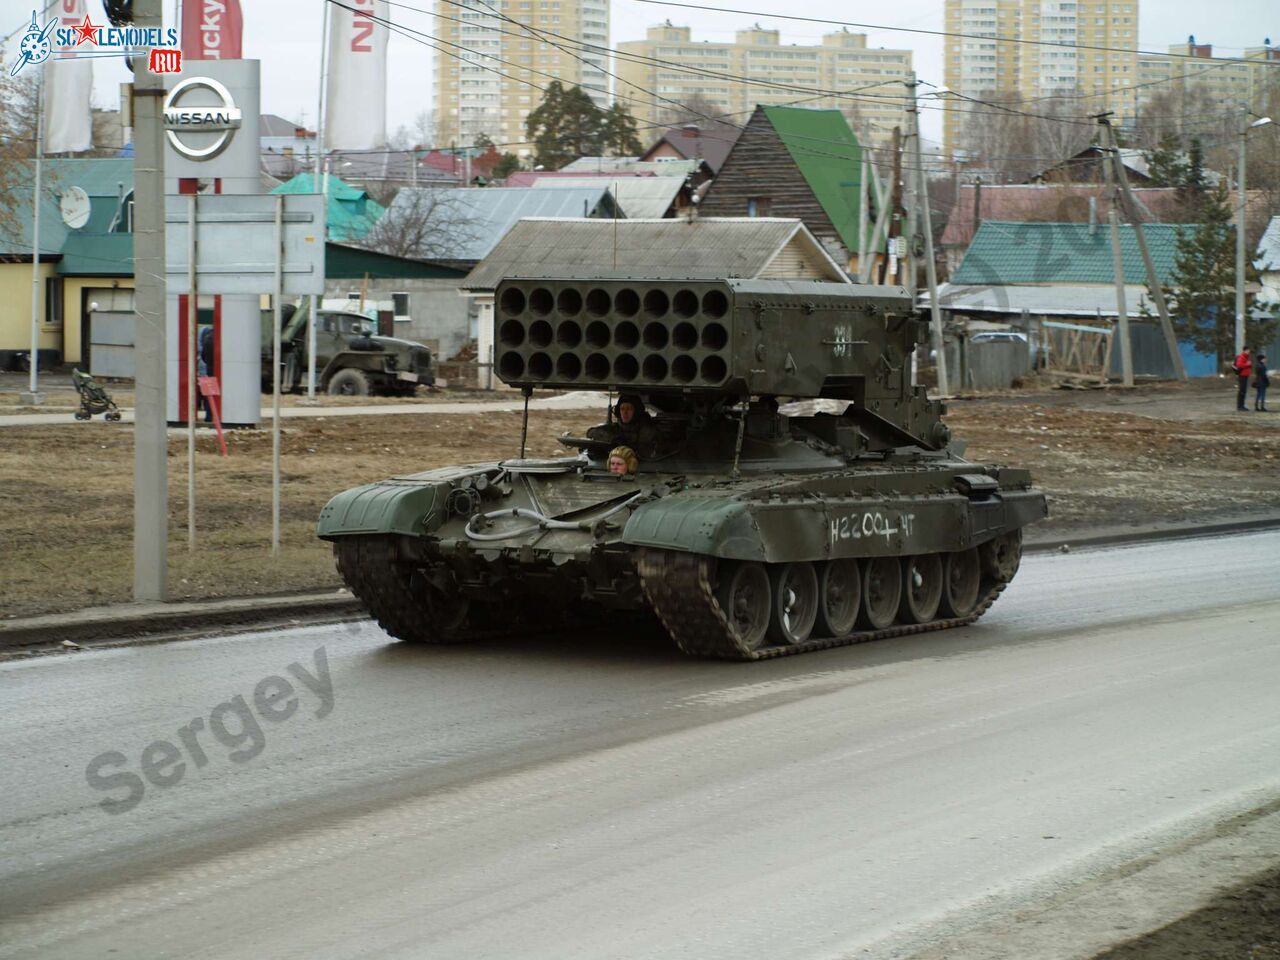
(93, 399)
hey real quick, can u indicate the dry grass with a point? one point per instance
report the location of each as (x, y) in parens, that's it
(66, 492)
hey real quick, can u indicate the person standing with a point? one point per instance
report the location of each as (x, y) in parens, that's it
(1260, 382)
(1243, 367)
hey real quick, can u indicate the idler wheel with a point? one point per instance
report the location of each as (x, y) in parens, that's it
(881, 591)
(921, 588)
(1002, 556)
(794, 601)
(961, 578)
(839, 596)
(744, 595)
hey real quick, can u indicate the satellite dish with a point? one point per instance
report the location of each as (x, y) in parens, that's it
(75, 207)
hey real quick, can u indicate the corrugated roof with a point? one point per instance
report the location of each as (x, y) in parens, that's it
(829, 157)
(661, 168)
(1055, 300)
(101, 178)
(705, 248)
(639, 197)
(1269, 248)
(101, 255)
(352, 212)
(485, 215)
(1009, 253)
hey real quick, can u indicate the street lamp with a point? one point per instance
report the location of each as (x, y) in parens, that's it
(1245, 127)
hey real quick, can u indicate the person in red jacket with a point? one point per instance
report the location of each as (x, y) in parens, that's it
(1244, 370)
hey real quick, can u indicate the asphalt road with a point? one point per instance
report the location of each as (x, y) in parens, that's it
(589, 797)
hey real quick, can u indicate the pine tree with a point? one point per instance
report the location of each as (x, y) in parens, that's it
(1202, 284)
(620, 132)
(1166, 164)
(564, 126)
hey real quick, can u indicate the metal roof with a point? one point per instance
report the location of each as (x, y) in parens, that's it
(829, 157)
(639, 197)
(486, 214)
(678, 249)
(710, 142)
(661, 168)
(1268, 258)
(102, 178)
(1057, 300)
(1004, 252)
(352, 212)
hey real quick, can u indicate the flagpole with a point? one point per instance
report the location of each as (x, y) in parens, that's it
(33, 384)
(320, 162)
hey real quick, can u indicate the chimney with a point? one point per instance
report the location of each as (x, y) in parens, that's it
(977, 205)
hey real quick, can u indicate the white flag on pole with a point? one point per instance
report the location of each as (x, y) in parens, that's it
(68, 85)
(356, 94)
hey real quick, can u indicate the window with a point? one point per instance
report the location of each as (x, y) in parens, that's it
(400, 304)
(759, 206)
(53, 291)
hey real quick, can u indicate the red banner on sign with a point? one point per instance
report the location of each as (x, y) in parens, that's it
(212, 29)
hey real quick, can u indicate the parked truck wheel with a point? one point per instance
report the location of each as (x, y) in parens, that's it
(349, 383)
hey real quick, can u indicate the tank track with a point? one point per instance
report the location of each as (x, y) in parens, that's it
(679, 589)
(368, 566)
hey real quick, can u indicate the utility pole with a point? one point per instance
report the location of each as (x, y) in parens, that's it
(911, 201)
(931, 272)
(888, 275)
(150, 439)
(1117, 260)
(1153, 279)
(1242, 220)
(33, 396)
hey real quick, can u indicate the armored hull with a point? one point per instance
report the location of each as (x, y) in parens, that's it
(751, 530)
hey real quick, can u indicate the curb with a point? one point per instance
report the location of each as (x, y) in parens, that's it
(1087, 538)
(173, 620)
(180, 620)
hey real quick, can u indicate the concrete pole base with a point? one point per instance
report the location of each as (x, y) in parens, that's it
(28, 399)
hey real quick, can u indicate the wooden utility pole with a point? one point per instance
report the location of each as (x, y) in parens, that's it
(1153, 279)
(1117, 260)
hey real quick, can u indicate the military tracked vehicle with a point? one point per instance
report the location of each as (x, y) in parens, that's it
(794, 489)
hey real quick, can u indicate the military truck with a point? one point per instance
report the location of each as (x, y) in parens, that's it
(795, 491)
(351, 359)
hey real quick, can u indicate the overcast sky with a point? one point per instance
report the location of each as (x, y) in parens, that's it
(285, 36)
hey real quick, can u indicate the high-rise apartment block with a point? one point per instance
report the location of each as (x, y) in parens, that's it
(1007, 51)
(1192, 67)
(490, 72)
(669, 68)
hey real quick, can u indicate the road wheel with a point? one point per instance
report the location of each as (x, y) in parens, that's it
(881, 591)
(794, 599)
(744, 596)
(961, 577)
(1002, 556)
(839, 596)
(921, 588)
(349, 382)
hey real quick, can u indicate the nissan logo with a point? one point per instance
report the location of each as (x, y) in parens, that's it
(222, 117)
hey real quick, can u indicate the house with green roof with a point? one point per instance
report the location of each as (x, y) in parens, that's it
(1065, 273)
(80, 269)
(352, 212)
(794, 162)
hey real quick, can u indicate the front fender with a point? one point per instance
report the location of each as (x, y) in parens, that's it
(408, 507)
(713, 526)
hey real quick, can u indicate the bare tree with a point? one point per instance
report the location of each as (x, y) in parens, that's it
(424, 224)
(1016, 138)
(699, 109)
(17, 149)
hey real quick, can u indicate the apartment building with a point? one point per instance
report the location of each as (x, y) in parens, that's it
(1006, 49)
(1192, 65)
(669, 67)
(490, 72)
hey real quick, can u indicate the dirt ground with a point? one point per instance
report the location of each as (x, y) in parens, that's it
(66, 492)
(1242, 924)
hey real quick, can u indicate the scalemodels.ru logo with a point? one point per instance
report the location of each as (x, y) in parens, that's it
(89, 39)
